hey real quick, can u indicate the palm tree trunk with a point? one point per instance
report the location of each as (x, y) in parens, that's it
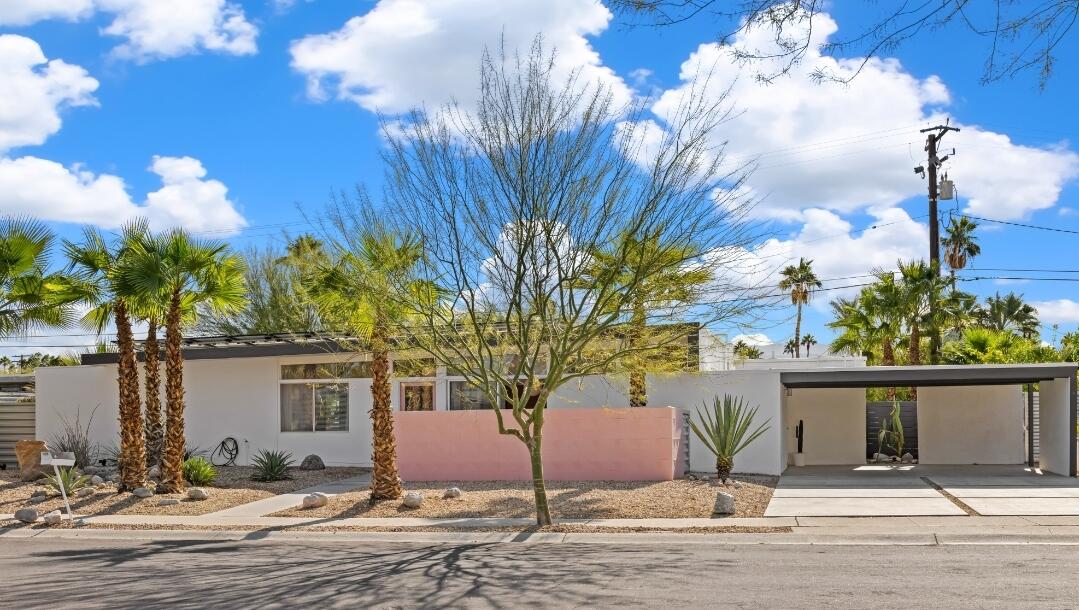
(798, 333)
(723, 468)
(385, 482)
(172, 459)
(154, 429)
(638, 391)
(914, 350)
(888, 359)
(132, 446)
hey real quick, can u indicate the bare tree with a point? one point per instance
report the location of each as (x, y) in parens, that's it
(1019, 36)
(512, 202)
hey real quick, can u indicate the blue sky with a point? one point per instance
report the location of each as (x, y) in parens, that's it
(224, 116)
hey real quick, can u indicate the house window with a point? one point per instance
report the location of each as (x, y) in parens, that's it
(418, 396)
(466, 397)
(314, 407)
(327, 370)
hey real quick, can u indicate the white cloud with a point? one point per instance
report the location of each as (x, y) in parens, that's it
(1059, 311)
(152, 29)
(50, 191)
(845, 147)
(34, 89)
(25, 12)
(755, 340)
(403, 54)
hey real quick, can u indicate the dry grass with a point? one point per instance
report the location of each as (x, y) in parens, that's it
(569, 500)
(233, 487)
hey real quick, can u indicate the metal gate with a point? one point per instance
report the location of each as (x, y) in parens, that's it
(17, 414)
(875, 412)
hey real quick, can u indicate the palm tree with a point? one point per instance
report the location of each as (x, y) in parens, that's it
(746, 351)
(807, 341)
(800, 281)
(790, 348)
(1009, 313)
(193, 274)
(97, 279)
(678, 283)
(353, 290)
(960, 244)
(30, 296)
(920, 289)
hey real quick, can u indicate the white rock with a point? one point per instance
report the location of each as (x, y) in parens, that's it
(142, 492)
(26, 515)
(96, 480)
(724, 504)
(53, 518)
(197, 493)
(85, 491)
(315, 500)
(453, 492)
(908, 458)
(413, 499)
(168, 501)
(737, 485)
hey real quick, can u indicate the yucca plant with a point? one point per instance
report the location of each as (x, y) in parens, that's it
(199, 471)
(891, 431)
(69, 480)
(724, 430)
(272, 465)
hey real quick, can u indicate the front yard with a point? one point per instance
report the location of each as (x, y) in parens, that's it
(233, 487)
(681, 498)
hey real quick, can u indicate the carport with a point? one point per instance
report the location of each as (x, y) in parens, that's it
(974, 443)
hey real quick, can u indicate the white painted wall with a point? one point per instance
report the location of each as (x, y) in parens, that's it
(834, 425)
(971, 425)
(1053, 426)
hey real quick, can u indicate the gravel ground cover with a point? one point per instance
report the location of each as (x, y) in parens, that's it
(552, 529)
(232, 488)
(569, 500)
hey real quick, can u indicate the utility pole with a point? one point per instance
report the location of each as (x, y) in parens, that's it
(935, 134)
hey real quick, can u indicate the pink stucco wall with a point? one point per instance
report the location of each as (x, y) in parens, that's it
(642, 444)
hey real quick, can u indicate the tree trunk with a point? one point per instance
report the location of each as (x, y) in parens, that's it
(132, 446)
(798, 333)
(914, 350)
(154, 430)
(172, 459)
(385, 482)
(535, 453)
(888, 359)
(638, 391)
(724, 465)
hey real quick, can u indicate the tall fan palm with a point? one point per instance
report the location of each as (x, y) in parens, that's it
(920, 289)
(353, 290)
(679, 284)
(1009, 313)
(191, 273)
(30, 296)
(960, 244)
(97, 279)
(799, 280)
(808, 341)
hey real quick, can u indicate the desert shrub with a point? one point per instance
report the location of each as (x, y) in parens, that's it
(272, 465)
(69, 480)
(74, 438)
(198, 471)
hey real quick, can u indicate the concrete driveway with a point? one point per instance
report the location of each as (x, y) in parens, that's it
(900, 490)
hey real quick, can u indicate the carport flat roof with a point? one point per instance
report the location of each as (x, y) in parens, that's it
(925, 376)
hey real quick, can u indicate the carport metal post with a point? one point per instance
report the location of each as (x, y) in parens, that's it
(1030, 425)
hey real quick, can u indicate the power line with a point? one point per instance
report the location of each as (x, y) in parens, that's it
(1020, 224)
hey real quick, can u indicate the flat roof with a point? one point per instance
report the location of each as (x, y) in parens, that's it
(245, 346)
(926, 375)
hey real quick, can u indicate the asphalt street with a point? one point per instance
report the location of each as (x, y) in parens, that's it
(270, 574)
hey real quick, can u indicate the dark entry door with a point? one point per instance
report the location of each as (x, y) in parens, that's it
(878, 411)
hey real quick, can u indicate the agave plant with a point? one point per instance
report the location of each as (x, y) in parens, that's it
(69, 480)
(272, 465)
(199, 471)
(724, 430)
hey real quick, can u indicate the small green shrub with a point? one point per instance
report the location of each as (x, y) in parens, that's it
(272, 465)
(70, 480)
(198, 471)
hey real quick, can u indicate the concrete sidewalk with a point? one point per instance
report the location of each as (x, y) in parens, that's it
(285, 501)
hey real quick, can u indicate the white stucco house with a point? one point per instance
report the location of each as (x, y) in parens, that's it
(305, 395)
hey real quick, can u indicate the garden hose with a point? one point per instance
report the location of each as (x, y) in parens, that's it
(228, 450)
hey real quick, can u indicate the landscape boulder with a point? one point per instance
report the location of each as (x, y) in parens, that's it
(413, 499)
(908, 458)
(142, 492)
(315, 500)
(28, 453)
(37, 499)
(724, 504)
(85, 491)
(96, 480)
(26, 515)
(39, 493)
(168, 501)
(197, 493)
(53, 518)
(312, 462)
(451, 493)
